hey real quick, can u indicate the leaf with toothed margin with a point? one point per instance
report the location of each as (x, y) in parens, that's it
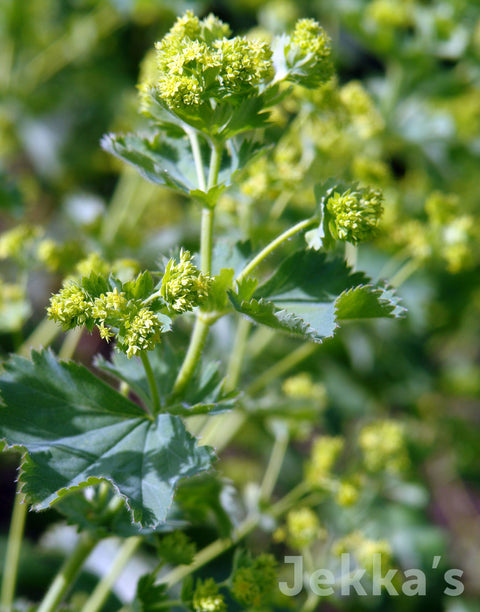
(77, 431)
(310, 293)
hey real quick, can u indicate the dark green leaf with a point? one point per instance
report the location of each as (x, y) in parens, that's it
(77, 431)
(310, 292)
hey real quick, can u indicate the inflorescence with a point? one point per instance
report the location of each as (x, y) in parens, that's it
(198, 64)
(134, 312)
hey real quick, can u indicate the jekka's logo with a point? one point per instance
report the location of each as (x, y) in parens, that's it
(352, 580)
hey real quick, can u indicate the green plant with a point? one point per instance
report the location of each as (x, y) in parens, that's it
(211, 102)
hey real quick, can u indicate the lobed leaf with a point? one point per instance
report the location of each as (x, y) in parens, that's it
(311, 292)
(78, 431)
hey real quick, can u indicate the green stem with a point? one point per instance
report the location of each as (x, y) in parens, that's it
(351, 255)
(234, 368)
(282, 366)
(274, 466)
(410, 267)
(12, 554)
(202, 322)
(195, 348)
(303, 225)
(43, 335)
(206, 237)
(152, 383)
(70, 343)
(67, 574)
(197, 156)
(215, 161)
(221, 545)
(100, 594)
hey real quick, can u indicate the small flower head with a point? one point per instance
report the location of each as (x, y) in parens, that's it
(361, 108)
(347, 494)
(301, 386)
(309, 54)
(383, 446)
(353, 216)
(105, 332)
(207, 597)
(92, 263)
(143, 332)
(198, 65)
(183, 286)
(325, 451)
(365, 550)
(245, 64)
(18, 241)
(303, 528)
(70, 307)
(110, 306)
(253, 584)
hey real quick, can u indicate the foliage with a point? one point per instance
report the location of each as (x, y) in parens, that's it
(248, 382)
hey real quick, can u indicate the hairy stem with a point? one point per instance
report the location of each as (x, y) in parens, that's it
(152, 383)
(12, 554)
(68, 572)
(206, 237)
(195, 348)
(202, 323)
(103, 588)
(303, 225)
(197, 156)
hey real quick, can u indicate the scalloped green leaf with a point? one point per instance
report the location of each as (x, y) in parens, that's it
(311, 292)
(78, 431)
(161, 159)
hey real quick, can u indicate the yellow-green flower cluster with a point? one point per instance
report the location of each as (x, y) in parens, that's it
(361, 110)
(14, 306)
(253, 585)
(301, 386)
(347, 494)
(309, 54)
(353, 216)
(17, 242)
(364, 550)
(325, 451)
(136, 327)
(207, 597)
(198, 64)
(58, 257)
(183, 286)
(142, 332)
(389, 13)
(303, 528)
(70, 307)
(383, 446)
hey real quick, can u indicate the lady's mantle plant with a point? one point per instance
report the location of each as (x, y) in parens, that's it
(208, 98)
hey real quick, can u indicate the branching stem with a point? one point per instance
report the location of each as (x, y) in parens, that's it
(303, 225)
